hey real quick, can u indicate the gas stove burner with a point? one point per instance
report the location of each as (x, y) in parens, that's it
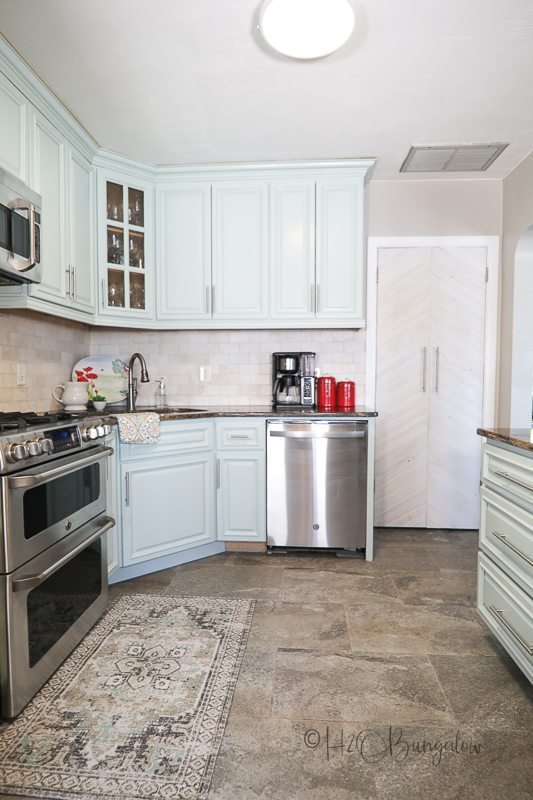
(18, 420)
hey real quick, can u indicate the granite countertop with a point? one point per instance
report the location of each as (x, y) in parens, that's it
(251, 411)
(518, 437)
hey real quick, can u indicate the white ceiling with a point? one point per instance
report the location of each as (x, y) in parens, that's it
(192, 81)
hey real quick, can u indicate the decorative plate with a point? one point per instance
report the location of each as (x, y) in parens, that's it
(109, 376)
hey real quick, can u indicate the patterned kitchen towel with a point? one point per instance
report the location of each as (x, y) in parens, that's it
(140, 428)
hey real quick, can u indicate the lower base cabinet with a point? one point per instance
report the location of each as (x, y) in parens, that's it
(241, 497)
(168, 506)
(505, 563)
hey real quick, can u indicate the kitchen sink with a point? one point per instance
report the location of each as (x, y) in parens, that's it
(173, 409)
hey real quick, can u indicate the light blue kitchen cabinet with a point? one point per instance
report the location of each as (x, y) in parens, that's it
(126, 252)
(113, 506)
(241, 479)
(168, 495)
(65, 181)
(184, 251)
(339, 250)
(292, 249)
(80, 228)
(48, 168)
(14, 116)
(240, 250)
(241, 498)
(168, 506)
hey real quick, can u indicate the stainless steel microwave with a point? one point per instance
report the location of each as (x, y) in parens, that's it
(20, 231)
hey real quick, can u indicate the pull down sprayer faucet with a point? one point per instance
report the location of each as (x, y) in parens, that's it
(132, 382)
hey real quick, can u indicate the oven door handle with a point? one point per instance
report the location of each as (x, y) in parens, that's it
(24, 481)
(32, 581)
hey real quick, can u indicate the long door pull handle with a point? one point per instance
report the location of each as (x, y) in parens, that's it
(499, 614)
(501, 538)
(514, 480)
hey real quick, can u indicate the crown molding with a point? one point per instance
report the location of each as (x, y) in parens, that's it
(39, 95)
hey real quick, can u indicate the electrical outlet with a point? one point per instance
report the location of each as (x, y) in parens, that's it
(21, 374)
(205, 374)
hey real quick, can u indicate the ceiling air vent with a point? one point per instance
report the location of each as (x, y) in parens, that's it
(452, 157)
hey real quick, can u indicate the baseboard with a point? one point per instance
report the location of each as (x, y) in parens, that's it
(256, 547)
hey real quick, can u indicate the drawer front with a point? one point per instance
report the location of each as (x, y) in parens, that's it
(509, 471)
(506, 534)
(176, 436)
(508, 611)
(241, 434)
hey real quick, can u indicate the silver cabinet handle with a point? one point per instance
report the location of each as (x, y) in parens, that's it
(69, 285)
(218, 473)
(74, 293)
(212, 299)
(317, 301)
(25, 481)
(437, 370)
(501, 537)
(104, 294)
(31, 581)
(514, 480)
(207, 299)
(326, 435)
(239, 436)
(424, 365)
(127, 498)
(499, 614)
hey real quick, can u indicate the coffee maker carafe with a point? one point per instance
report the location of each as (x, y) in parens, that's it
(293, 379)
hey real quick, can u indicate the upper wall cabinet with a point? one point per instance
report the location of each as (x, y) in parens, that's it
(240, 250)
(339, 250)
(266, 249)
(125, 248)
(14, 110)
(65, 180)
(184, 286)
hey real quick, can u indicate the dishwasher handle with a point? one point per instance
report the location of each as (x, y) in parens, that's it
(319, 435)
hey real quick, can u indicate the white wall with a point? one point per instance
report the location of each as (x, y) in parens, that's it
(434, 208)
(517, 218)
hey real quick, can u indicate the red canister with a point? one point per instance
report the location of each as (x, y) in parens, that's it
(326, 396)
(345, 394)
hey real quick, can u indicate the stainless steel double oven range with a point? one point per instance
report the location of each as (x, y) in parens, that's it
(53, 566)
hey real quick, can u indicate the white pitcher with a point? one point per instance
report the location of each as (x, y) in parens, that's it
(74, 396)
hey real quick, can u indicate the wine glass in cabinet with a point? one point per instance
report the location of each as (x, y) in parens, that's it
(125, 282)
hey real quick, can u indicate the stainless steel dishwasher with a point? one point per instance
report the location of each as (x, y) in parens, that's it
(316, 483)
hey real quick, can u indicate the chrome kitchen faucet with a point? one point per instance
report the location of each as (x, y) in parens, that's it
(132, 382)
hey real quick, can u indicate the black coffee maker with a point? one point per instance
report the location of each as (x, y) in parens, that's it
(293, 379)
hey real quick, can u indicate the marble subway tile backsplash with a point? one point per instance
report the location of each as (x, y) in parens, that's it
(48, 346)
(240, 361)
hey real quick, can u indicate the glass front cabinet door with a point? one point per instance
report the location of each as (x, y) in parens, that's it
(125, 248)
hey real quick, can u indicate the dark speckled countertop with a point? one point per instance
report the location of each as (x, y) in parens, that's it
(252, 411)
(518, 437)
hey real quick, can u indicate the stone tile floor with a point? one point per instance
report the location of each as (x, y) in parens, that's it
(366, 681)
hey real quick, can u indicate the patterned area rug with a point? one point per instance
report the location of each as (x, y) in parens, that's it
(139, 708)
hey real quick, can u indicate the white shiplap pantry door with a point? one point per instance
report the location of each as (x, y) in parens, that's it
(429, 385)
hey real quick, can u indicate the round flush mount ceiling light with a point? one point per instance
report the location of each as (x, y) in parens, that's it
(306, 28)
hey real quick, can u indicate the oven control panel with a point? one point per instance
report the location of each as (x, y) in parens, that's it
(30, 446)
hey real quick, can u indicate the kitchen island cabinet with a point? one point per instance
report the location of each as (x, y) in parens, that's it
(505, 569)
